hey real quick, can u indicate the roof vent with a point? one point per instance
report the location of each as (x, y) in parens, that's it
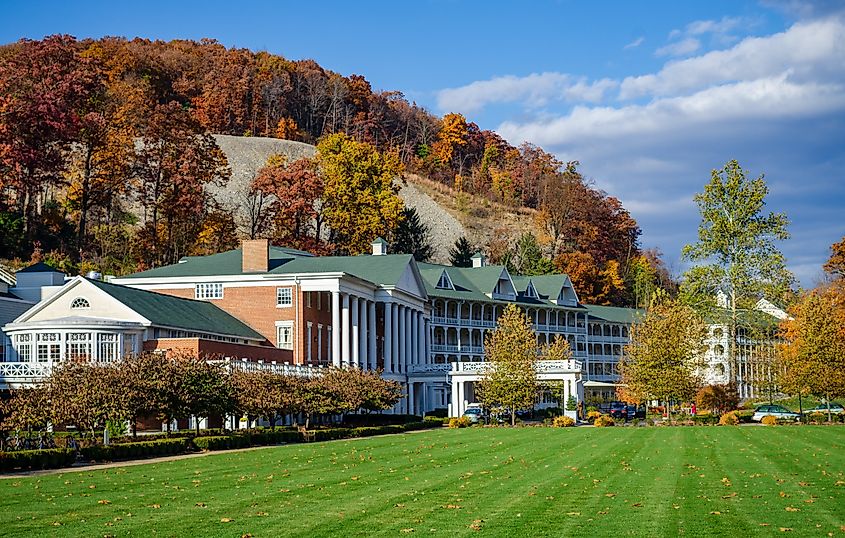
(478, 260)
(255, 256)
(379, 247)
(94, 275)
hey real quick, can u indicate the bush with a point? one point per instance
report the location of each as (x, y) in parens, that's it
(563, 422)
(378, 419)
(51, 458)
(436, 421)
(440, 412)
(126, 451)
(603, 421)
(222, 442)
(592, 416)
(729, 419)
(459, 422)
(769, 421)
(705, 419)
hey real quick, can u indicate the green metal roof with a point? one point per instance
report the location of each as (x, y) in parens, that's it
(474, 283)
(615, 314)
(176, 312)
(382, 270)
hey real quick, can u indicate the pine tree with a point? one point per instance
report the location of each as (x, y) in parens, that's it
(461, 254)
(412, 236)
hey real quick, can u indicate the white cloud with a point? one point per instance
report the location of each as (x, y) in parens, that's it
(810, 50)
(635, 43)
(679, 48)
(534, 90)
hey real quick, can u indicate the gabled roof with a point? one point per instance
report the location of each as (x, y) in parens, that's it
(384, 270)
(39, 267)
(176, 312)
(615, 314)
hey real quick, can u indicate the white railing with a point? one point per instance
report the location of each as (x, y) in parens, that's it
(23, 372)
(301, 370)
(465, 322)
(444, 348)
(540, 366)
(431, 368)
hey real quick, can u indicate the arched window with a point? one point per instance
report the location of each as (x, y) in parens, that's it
(719, 349)
(80, 302)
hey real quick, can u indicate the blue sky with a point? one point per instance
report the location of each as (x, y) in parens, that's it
(648, 96)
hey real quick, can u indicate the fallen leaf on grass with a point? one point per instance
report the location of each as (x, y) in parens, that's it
(407, 530)
(201, 505)
(792, 509)
(476, 525)
(610, 495)
(155, 506)
(637, 505)
(452, 507)
(262, 514)
(716, 513)
(734, 494)
(226, 520)
(765, 525)
(785, 529)
(103, 501)
(573, 513)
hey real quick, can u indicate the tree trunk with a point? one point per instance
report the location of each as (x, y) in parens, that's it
(513, 417)
(829, 414)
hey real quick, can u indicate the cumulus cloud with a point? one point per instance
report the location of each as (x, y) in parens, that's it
(534, 90)
(809, 49)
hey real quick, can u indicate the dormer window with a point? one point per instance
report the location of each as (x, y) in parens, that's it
(445, 283)
(79, 303)
(530, 291)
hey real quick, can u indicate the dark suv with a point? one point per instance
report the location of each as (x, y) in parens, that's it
(618, 410)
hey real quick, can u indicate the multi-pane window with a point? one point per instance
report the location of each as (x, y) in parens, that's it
(284, 334)
(23, 344)
(284, 297)
(208, 290)
(107, 347)
(48, 347)
(78, 345)
(308, 299)
(129, 344)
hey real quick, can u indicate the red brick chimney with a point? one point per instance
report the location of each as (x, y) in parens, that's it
(256, 256)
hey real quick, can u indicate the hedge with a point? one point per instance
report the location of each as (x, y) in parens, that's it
(50, 458)
(141, 449)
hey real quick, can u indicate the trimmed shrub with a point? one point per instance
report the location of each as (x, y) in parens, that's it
(729, 419)
(125, 451)
(705, 419)
(378, 419)
(50, 458)
(563, 422)
(222, 442)
(769, 421)
(459, 422)
(436, 421)
(603, 421)
(440, 412)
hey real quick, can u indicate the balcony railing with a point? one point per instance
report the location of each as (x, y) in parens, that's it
(454, 348)
(463, 322)
(16, 373)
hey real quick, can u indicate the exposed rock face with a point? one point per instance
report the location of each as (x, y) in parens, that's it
(246, 156)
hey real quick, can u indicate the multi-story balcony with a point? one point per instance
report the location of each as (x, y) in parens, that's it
(464, 322)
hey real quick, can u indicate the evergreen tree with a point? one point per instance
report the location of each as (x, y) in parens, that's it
(461, 254)
(412, 236)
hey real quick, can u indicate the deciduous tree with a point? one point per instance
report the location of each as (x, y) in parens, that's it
(510, 380)
(736, 242)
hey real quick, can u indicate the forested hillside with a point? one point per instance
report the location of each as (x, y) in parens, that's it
(107, 162)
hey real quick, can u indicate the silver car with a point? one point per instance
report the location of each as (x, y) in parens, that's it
(835, 408)
(777, 411)
(474, 414)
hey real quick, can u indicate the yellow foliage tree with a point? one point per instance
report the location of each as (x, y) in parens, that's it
(453, 134)
(360, 200)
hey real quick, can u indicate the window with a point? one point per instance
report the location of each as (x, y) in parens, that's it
(106, 347)
(23, 345)
(308, 299)
(719, 349)
(209, 290)
(284, 297)
(80, 302)
(49, 347)
(78, 345)
(319, 300)
(445, 283)
(129, 344)
(530, 291)
(284, 334)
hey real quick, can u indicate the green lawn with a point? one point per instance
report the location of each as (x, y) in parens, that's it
(693, 481)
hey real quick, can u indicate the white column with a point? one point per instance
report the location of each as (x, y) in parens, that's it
(412, 339)
(319, 342)
(394, 352)
(409, 335)
(372, 339)
(427, 343)
(362, 333)
(336, 329)
(411, 406)
(388, 338)
(454, 411)
(420, 339)
(460, 398)
(401, 340)
(355, 330)
(308, 344)
(344, 326)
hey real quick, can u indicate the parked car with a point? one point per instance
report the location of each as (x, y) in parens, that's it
(618, 410)
(474, 414)
(777, 411)
(635, 412)
(835, 408)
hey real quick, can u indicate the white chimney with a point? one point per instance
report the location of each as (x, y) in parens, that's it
(478, 260)
(379, 247)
